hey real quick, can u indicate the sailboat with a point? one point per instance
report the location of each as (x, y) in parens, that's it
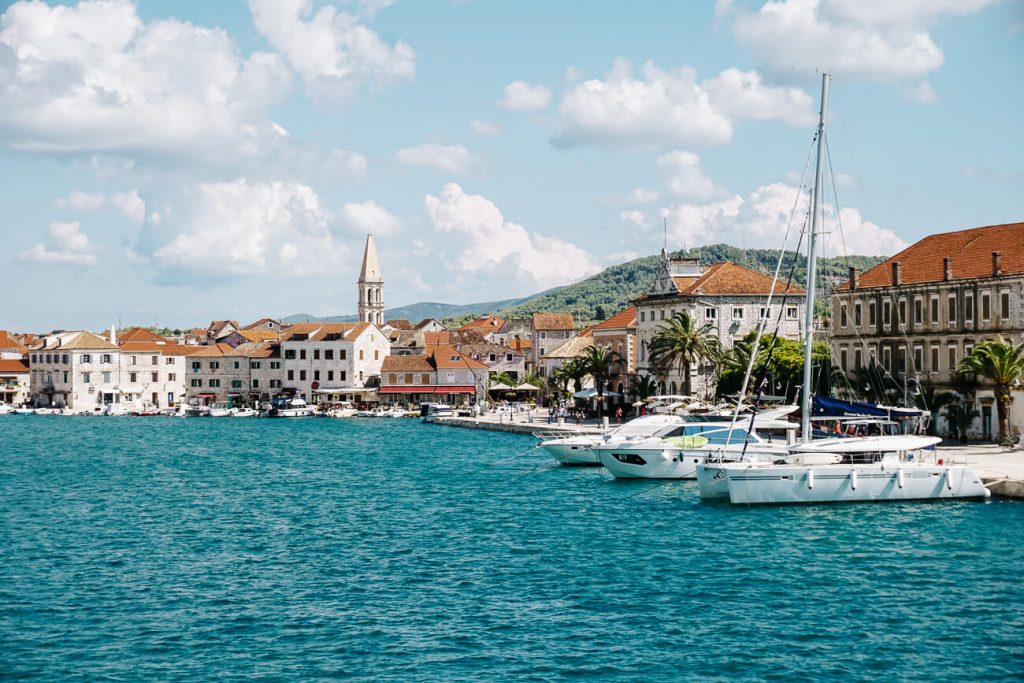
(866, 469)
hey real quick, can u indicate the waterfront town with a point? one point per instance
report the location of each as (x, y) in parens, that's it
(909, 321)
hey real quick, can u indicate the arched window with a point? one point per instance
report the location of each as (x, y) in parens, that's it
(672, 388)
(369, 296)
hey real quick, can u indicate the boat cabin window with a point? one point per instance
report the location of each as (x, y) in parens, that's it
(715, 434)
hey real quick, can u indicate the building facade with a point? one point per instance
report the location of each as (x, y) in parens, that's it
(728, 297)
(549, 331)
(916, 315)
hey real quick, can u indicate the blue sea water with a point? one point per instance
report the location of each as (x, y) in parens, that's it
(218, 549)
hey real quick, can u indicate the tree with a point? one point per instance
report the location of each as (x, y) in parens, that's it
(598, 362)
(571, 370)
(1002, 364)
(685, 342)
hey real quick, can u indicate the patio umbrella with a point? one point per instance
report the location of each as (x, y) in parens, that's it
(525, 387)
(498, 387)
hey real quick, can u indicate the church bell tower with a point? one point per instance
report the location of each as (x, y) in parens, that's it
(371, 286)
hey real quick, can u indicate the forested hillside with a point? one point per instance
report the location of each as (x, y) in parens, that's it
(613, 289)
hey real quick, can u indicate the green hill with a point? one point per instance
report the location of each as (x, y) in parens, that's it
(615, 288)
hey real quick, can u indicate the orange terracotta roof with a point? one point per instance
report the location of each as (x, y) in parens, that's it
(406, 364)
(259, 335)
(622, 319)
(447, 358)
(486, 324)
(553, 321)
(135, 334)
(9, 342)
(399, 324)
(726, 278)
(587, 331)
(436, 338)
(212, 350)
(971, 251)
(520, 344)
(80, 340)
(254, 350)
(15, 365)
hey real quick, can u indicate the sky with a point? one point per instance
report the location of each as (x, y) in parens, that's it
(173, 162)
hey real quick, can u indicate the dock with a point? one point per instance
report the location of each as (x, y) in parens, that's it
(1001, 469)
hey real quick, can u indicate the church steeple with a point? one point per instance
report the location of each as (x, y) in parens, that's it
(371, 286)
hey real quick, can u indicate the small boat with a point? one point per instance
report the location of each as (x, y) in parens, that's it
(5, 409)
(291, 407)
(220, 410)
(434, 411)
(245, 412)
(342, 410)
(195, 410)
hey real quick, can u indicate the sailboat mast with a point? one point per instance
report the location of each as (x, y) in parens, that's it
(812, 263)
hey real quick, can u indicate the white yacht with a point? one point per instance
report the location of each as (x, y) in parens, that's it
(195, 410)
(294, 407)
(675, 451)
(870, 469)
(575, 449)
(245, 412)
(433, 411)
(857, 469)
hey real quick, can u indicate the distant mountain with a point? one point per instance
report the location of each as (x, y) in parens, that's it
(601, 296)
(417, 312)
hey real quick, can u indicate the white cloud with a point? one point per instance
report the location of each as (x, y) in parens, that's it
(130, 205)
(350, 164)
(523, 96)
(641, 196)
(671, 107)
(660, 107)
(684, 177)
(637, 219)
(873, 39)
(488, 249)
(94, 77)
(253, 228)
(371, 7)
(369, 217)
(82, 201)
(743, 95)
(447, 158)
(69, 245)
(761, 219)
(485, 128)
(331, 50)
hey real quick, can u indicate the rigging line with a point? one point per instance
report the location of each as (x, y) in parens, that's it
(901, 322)
(762, 319)
(775, 337)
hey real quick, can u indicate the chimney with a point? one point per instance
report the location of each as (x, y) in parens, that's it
(113, 335)
(897, 273)
(997, 263)
(854, 279)
(947, 268)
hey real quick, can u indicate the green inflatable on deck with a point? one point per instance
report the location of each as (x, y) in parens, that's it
(687, 441)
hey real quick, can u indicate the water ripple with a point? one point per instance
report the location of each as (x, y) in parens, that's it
(327, 549)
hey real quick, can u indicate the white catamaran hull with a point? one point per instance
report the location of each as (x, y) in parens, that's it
(671, 463)
(785, 484)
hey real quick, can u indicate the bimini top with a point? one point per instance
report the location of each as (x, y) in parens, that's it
(871, 444)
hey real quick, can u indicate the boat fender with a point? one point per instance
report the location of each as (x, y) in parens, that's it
(949, 480)
(853, 480)
(899, 477)
(810, 479)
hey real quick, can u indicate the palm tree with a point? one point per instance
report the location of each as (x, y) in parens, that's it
(685, 342)
(598, 362)
(1002, 364)
(643, 386)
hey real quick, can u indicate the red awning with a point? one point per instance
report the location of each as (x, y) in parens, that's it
(427, 390)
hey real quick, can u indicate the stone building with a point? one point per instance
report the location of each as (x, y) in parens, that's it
(549, 331)
(78, 370)
(917, 314)
(727, 296)
(15, 387)
(443, 375)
